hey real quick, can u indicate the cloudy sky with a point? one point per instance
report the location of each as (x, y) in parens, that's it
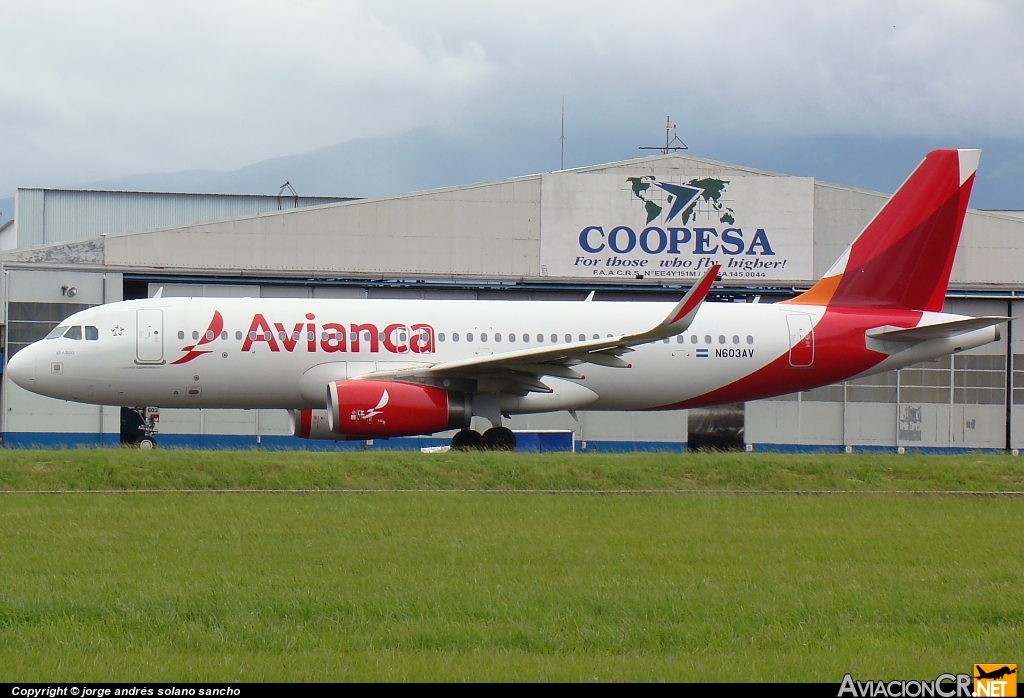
(99, 90)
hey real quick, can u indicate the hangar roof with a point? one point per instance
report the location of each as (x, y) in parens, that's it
(489, 230)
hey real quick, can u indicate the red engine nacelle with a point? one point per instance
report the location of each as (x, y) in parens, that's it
(379, 409)
(312, 424)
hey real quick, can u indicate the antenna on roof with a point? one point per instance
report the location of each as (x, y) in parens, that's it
(295, 195)
(561, 165)
(671, 139)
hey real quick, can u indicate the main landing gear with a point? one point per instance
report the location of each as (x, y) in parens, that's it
(494, 439)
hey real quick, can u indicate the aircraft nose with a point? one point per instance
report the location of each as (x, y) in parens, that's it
(22, 368)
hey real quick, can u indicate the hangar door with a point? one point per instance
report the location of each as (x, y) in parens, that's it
(149, 342)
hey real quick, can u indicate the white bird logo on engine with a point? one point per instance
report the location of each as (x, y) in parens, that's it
(379, 409)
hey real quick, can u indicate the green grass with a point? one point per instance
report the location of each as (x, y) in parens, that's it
(478, 586)
(89, 469)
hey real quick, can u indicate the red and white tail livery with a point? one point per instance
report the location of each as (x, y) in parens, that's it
(356, 369)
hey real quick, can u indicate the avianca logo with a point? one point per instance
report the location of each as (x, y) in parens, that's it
(368, 415)
(212, 332)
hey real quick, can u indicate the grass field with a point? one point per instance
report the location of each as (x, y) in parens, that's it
(506, 585)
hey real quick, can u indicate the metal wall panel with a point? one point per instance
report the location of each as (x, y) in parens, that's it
(481, 230)
(53, 286)
(27, 412)
(990, 250)
(60, 215)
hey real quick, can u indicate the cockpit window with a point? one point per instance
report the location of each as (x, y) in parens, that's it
(74, 332)
(57, 332)
(91, 332)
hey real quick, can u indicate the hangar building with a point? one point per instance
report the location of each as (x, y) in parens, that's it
(636, 229)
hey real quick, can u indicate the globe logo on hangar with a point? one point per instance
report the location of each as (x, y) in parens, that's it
(682, 200)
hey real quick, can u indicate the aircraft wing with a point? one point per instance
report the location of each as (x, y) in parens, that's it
(522, 369)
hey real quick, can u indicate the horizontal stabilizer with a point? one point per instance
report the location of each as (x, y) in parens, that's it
(938, 331)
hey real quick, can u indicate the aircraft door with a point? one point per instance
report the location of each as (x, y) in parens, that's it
(149, 339)
(801, 340)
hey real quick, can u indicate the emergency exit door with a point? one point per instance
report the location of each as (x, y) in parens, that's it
(149, 340)
(801, 340)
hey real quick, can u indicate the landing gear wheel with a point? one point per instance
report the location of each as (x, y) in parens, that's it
(467, 440)
(146, 443)
(499, 439)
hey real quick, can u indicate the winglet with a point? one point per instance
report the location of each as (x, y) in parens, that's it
(682, 315)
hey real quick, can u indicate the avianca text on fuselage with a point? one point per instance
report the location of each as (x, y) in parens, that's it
(333, 337)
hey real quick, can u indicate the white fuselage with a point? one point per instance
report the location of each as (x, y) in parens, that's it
(164, 351)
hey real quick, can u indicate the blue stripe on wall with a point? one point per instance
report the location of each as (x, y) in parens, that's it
(527, 443)
(911, 450)
(530, 443)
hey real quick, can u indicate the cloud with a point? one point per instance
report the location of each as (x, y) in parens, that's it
(102, 89)
(115, 87)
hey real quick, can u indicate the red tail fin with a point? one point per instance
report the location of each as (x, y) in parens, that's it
(903, 258)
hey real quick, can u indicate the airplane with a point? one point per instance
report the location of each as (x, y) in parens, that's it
(994, 674)
(381, 368)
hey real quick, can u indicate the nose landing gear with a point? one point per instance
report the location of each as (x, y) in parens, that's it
(139, 426)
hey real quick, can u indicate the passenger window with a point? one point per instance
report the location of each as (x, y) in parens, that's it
(238, 334)
(223, 335)
(666, 340)
(440, 336)
(295, 336)
(750, 339)
(455, 336)
(252, 336)
(195, 335)
(210, 335)
(92, 332)
(735, 339)
(281, 335)
(554, 338)
(497, 336)
(268, 336)
(310, 336)
(181, 334)
(583, 337)
(57, 332)
(707, 339)
(74, 332)
(469, 336)
(721, 339)
(511, 337)
(597, 336)
(679, 339)
(540, 338)
(483, 336)
(526, 337)
(568, 338)
(693, 339)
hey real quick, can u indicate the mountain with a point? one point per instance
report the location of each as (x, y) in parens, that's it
(427, 159)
